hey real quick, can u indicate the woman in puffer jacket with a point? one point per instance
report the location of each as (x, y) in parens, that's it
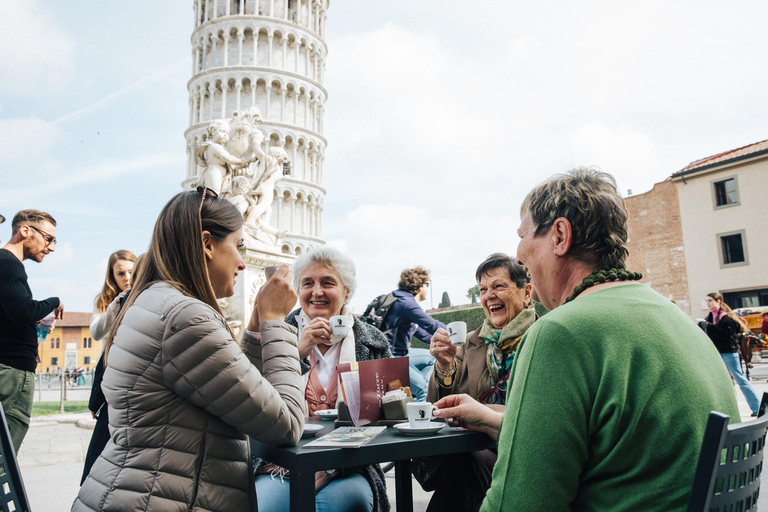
(183, 395)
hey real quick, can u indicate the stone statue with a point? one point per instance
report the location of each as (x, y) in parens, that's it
(259, 211)
(236, 168)
(219, 163)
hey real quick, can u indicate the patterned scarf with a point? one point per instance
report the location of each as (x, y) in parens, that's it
(501, 348)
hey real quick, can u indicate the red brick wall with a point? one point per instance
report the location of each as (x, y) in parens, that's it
(656, 242)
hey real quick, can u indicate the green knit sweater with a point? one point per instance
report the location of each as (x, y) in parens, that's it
(606, 407)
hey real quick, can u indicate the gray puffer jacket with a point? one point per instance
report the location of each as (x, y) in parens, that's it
(182, 396)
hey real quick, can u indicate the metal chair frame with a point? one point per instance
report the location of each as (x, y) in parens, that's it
(727, 477)
(13, 495)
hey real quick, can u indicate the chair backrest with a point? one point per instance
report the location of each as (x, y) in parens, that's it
(727, 477)
(13, 496)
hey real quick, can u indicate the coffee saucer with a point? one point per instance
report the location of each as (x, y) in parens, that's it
(433, 428)
(327, 414)
(310, 429)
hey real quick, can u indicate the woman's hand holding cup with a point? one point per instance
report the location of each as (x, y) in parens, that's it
(276, 298)
(317, 331)
(442, 349)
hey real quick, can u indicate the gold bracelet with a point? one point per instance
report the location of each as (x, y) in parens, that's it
(447, 376)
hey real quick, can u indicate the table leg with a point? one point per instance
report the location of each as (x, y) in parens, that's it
(302, 491)
(403, 486)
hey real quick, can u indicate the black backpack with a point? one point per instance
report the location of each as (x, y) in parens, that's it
(377, 311)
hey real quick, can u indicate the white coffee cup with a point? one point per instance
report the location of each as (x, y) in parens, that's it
(420, 414)
(457, 331)
(340, 325)
(270, 271)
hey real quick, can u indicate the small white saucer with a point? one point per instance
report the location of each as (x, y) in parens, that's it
(327, 414)
(433, 428)
(310, 429)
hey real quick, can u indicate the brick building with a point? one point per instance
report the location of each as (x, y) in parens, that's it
(656, 242)
(704, 229)
(70, 345)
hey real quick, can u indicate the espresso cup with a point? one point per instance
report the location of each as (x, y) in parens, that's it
(340, 325)
(270, 271)
(457, 332)
(420, 414)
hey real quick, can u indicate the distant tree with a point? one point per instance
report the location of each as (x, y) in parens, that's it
(473, 293)
(445, 302)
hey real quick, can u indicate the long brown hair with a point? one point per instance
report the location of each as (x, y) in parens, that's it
(110, 289)
(725, 308)
(176, 254)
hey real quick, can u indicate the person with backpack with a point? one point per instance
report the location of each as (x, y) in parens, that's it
(722, 325)
(400, 317)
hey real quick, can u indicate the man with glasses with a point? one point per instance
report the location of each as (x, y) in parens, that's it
(33, 236)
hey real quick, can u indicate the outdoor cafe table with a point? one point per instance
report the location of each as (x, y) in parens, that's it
(388, 446)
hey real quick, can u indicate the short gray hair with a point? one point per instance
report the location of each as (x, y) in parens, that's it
(589, 200)
(331, 258)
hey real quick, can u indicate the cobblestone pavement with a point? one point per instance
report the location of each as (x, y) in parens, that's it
(51, 457)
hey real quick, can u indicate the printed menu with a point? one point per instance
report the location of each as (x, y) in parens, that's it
(363, 392)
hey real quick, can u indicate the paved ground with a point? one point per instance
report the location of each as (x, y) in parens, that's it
(51, 457)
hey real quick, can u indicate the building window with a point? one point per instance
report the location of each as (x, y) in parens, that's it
(746, 299)
(733, 249)
(86, 360)
(55, 342)
(86, 342)
(54, 361)
(726, 192)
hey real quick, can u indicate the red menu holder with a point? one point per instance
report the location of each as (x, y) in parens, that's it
(374, 376)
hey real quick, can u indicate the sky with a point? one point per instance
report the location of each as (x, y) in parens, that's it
(441, 116)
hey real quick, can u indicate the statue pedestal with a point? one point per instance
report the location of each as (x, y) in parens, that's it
(237, 309)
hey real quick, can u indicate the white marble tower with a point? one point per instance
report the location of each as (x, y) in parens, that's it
(268, 54)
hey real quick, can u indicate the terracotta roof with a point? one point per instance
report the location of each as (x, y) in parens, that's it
(72, 319)
(727, 156)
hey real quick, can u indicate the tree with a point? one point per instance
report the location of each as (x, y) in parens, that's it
(445, 302)
(473, 293)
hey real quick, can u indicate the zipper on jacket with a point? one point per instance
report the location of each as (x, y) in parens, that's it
(199, 471)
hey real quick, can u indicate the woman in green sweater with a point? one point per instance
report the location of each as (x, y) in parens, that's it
(605, 411)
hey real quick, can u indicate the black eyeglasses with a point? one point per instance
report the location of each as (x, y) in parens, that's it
(48, 239)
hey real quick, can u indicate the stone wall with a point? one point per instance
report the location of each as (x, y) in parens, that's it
(656, 242)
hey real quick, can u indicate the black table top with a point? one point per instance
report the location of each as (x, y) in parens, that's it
(388, 446)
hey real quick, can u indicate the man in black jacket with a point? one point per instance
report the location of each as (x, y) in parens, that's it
(33, 236)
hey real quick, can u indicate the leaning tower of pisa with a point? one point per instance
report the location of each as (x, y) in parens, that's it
(268, 54)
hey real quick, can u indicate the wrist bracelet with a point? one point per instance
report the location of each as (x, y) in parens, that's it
(447, 376)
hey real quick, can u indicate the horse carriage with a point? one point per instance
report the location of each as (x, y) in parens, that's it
(754, 340)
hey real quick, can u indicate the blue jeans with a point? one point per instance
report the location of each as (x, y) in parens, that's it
(351, 493)
(732, 363)
(421, 364)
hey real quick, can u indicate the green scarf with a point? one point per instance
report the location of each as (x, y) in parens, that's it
(501, 348)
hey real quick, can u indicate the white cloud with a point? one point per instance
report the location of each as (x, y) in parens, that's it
(103, 171)
(616, 148)
(34, 47)
(383, 240)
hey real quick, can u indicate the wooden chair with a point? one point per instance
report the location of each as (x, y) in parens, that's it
(727, 477)
(13, 496)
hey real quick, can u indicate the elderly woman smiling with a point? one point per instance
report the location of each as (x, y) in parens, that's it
(481, 369)
(603, 402)
(325, 280)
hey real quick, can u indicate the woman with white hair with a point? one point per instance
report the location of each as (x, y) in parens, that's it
(325, 280)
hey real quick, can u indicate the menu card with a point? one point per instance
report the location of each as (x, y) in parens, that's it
(346, 437)
(363, 392)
